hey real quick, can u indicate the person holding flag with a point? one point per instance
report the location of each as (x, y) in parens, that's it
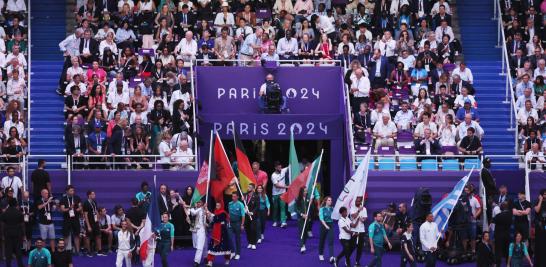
(147, 235)
(199, 229)
(165, 231)
(428, 235)
(251, 221)
(279, 179)
(219, 240)
(302, 206)
(359, 215)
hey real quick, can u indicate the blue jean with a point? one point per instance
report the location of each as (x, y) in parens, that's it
(235, 236)
(377, 256)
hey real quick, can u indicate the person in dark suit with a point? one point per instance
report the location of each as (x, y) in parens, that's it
(515, 44)
(437, 72)
(377, 68)
(428, 146)
(517, 61)
(442, 15)
(164, 200)
(366, 56)
(89, 48)
(184, 21)
(117, 144)
(384, 23)
(346, 58)
(503, 223)
(427, 56)
(489, 184)
(12, 220)
(421, 9)
(484, 252)
(76, 144)
(458, 85)
(107, 5)
(443, 98)
(204, 56)
(75, 104)
(527, 4)
(446, 50)
(253, 205)
(536, 57)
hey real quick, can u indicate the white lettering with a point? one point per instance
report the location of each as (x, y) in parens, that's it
(243, 128)
(324, 128)
(244, 93)
(282, 127)
(316, 93)
(304, 93)
(265, 129)
(310, 128)
(221, 92)
(229, 128)
(232, 93)
(217, 127)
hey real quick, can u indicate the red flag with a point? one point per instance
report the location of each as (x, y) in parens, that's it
(221, 173)
(294, 189)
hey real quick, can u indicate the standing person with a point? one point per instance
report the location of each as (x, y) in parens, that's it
(521, 209)
(345, 235)
(540, 229)
(302, 204)
(166, 238)
(326, 228)
(40, 256)
(91, 213)
(408, 247)
(144, 197)
(12, 181)
(105, 226)
(27, 208)
(378, 236)
(263, 212)
(278, 179)
(219, 240)
(359, 215)
(484, 252)
(13, 224)
(261, 176)
(71, 207)
(251, 220)
(428, 235)
(61, 257)
(517, 251)
(199, 231)
(503, 225)
(126, 245)
(40, 179)
(136, 216)
(236, 224)
(44, 206)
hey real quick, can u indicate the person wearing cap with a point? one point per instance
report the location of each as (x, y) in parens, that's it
(40, 256)
(96, 145)
(205, 56)
(467, 109)
(224, 18)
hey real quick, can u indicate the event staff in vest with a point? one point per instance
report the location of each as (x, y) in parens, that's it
(359, 215)
(237, 222)
(540, 229)
(251, 220)
(166, 238)
(12, 219)
(126, 244)
(199, 231)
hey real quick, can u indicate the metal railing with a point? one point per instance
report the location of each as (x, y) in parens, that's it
(282, 62)
(398, 161)
(129, 162)
(509, 88)
(29, 55)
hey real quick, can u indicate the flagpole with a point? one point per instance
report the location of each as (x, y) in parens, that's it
(451, 212)
(312, 195)
(209, 169)
(242, 197)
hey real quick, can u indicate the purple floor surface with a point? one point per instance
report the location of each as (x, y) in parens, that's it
(279, 249)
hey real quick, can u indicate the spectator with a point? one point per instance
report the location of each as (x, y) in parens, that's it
(89, 48)
(468, 123)
(205, 57)
(448, 132)
(470, 144)
(76, 81)
(425, 124)
(384, 132)
(182, 159)
(527, 112)
(527, 96)
(427, 145)
(117, 96)
(16, 87)
(467, 109)
(96, 145)
(464, 73)
(16, 123)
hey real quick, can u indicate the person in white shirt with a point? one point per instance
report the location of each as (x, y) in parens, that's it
(117, 96)
(407, 59)
(387, 45)
(109, 43)
(179, 137)
(534, 157)
(224, 18)
(464, 97)
(103, 32)
(464, 73)
(540, 69)
(70, 46)
(326, 25)
(16, 87)
(165, 150)
(431, 38)
(436, 7)
(278, 179)
(126, 244)
(359, 215)
(425, 124)
(182, 159)
(360, 89)
(527, 96)
(14, 121)
(11, 181)
(287, 47)
(526, 112)
(476, 210)
(199, 230)
(15, 53)
(384, 132)
(345, 235)
(404, 117)
(121, 3)
(76, 81)
(74, 69)
(428, 235)
(442, 30)
(186, 48)
(467, 123)
(378, 113)
(119, 78)
(448, 132)
(16, 6)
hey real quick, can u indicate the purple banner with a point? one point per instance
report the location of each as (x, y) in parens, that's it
(278, 126)
(235, 90)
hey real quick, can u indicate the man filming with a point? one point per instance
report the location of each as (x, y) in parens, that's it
(271, 98)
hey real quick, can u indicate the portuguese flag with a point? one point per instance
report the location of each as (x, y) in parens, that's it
(246, 176)
(201, 185)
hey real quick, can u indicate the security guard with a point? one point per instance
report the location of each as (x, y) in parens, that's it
(166, 241)
(12, 218)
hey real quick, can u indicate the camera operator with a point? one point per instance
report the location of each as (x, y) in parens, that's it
(144, 197)
(540, 229)
(459, 223)
(267, 89)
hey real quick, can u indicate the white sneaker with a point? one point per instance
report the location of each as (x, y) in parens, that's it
(332, 259)
(259, 241)
(321, 258)
(303, 249)
(237, 257)
(232, 256)
(283, 225)
(253, 247)
(262, 237)
(249, 246)
(309, 234)
(275, 224)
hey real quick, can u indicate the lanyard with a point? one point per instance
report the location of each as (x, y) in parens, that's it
(93, 206)
(70, 203)
(25, 207)
(46, 207)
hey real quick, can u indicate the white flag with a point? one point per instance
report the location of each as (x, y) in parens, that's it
(355, 187)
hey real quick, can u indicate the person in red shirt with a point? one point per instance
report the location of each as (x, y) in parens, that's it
(261, 176)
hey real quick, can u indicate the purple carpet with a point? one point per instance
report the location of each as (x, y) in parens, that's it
(280, 248)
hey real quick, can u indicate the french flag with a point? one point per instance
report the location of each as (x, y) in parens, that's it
(152, 221)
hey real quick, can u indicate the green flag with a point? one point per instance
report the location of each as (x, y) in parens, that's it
(293, 170)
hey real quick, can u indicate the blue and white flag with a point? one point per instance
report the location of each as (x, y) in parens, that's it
(355, 187)
(442, 211)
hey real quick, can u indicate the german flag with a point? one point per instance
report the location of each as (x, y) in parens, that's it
(246, 176)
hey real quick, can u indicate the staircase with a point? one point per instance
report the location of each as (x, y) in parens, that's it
(484, 59)
(48, 20)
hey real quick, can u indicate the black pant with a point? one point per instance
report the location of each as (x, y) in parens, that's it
(540, 244)
(502, 241)
(66, 65)
(405, 261)
(358, 244)
(13, 246)
(347, 251)
(430, 259)
(250, 228)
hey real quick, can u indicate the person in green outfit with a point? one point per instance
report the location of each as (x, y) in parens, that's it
(144, 197)
(326, 228)
(40, 256)
(263, 212)
(302, 204)
(237, 221)
(166, 238)
(378, 236)
(279, 179)
(517, 251)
